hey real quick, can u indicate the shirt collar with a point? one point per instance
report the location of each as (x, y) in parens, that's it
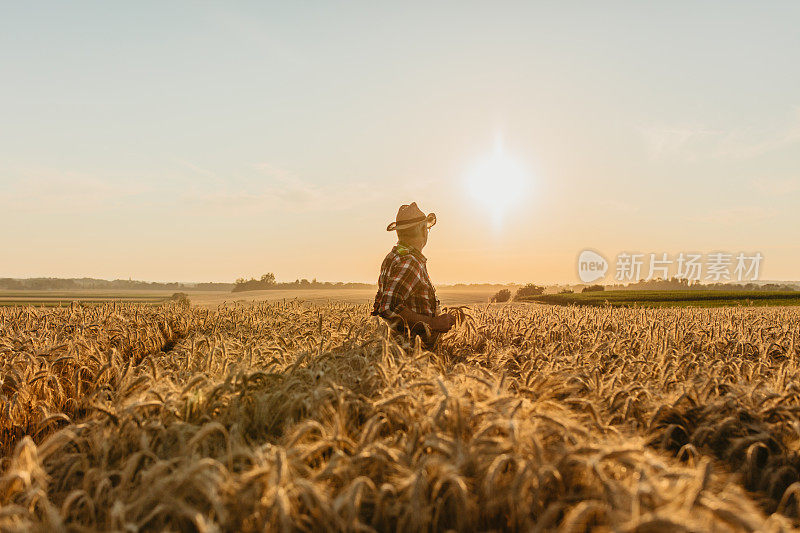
(403, 249)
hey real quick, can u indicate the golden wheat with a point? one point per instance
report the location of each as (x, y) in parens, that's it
(295, 416)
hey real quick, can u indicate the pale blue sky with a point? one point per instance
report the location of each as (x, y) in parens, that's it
(202, 141)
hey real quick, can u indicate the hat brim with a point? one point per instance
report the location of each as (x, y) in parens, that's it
(429, 220)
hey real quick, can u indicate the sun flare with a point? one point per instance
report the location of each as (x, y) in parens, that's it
(498, 181)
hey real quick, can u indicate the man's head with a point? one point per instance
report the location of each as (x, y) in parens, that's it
(412, 225)
(416, 236)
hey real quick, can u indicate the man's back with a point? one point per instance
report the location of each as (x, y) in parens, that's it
(404, 283)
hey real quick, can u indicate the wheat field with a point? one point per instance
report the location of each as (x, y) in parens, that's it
(303, 416)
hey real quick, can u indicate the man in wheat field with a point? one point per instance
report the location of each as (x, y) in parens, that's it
(406, 298)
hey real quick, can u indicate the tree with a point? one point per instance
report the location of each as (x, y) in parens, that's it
(267, 281)
(181, 298)
(503, 295)
(594, 288)
(531, 289)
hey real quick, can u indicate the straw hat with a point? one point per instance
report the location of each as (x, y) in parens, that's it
(409, 216)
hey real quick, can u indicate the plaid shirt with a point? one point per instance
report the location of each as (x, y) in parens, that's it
(404, 283)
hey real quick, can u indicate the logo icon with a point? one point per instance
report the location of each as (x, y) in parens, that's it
(591, 266)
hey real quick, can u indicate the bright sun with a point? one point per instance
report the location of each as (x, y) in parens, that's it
(498, 181)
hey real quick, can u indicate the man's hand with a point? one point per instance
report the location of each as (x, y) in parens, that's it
(442, 322)
(439, 323)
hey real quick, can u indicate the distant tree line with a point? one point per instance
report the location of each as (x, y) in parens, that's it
(504, 295)
(532, 289)
(12, 284)
(481, 285)
(267, 282)
(685, 284)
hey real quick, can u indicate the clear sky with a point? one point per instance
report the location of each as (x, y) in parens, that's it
(207, 141)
